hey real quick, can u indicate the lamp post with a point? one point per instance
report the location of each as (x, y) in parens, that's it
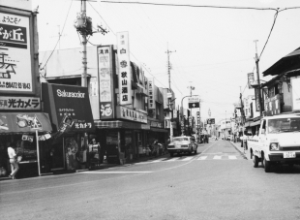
(181, 111)
(171, 121)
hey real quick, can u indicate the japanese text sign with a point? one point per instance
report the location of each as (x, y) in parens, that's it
(20, 103)
(15, 56)
(124, 68)
(151, 93)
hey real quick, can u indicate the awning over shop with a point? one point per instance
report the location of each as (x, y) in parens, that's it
(68, 105)
(254, 123)
(118, 124)
(159, 130)
(22, 122)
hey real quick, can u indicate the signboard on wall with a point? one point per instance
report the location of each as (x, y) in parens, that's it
(68, 105)
(130, 114)
(106, 88)
(20, 4)
(295, 81)
(151, 93)
(125, 90)
(272, 106)
(20, 103)
(250, 79)
(16, 74)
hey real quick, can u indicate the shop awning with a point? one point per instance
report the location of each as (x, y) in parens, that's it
(118, 124)
(21, 122)
(255, 123)
(159, 130)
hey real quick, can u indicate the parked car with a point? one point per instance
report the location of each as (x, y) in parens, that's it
(277, 141)
(183, 144)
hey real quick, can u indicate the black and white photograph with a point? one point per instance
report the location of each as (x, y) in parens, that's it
(149, 109)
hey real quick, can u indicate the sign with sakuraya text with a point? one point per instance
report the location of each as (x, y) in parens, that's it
(125, 91)
(15, 56)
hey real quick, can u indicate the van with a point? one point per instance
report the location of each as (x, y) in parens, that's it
(277, 142)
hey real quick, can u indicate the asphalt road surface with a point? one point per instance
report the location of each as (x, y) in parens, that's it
(217, 183)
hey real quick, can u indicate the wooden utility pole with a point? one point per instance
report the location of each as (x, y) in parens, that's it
(169, 65)
(258, 79)
(84, 42)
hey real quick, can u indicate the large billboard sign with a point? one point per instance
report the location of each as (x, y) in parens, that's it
(106, 88)
(125, 90)
(16, 69)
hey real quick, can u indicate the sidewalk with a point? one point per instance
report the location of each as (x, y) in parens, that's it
(243, 152)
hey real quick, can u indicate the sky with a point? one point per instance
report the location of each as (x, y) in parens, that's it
(213, 49)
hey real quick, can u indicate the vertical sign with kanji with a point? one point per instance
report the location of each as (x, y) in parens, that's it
(151, 93)
(16, 73)
(124, 68)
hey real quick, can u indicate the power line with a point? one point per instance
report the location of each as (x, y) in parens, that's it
(58, 36)
(130, 52)
(193, 6)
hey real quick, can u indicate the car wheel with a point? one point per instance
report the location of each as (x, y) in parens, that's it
(267, 165)
(196, 151)
(255, 161)
(171, 154)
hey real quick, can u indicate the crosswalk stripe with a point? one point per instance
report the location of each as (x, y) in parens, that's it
(187, 158)
(155, 161)
(174, 159)
(232, 157)
(202, 158)
(217, 157)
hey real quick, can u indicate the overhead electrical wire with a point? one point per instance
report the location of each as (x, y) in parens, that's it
(130, 52)
(59, 36)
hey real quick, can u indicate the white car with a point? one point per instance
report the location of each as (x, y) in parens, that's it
(278, 141)
(183, 144)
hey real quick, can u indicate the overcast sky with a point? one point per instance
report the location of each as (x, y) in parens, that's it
(214, 47)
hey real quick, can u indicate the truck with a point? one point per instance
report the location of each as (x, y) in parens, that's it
(277, 141)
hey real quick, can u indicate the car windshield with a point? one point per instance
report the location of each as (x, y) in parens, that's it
(283, 125)
(180, 139)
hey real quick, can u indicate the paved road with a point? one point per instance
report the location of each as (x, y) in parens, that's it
(217, 183)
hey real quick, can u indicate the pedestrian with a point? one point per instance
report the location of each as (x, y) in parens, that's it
(12, 160)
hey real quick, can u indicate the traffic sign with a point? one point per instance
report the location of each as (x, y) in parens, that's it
(194, 102)
(211, 121)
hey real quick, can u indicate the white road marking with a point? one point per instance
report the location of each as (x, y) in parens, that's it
(202, 158)
(217, 157)
(159, 160)
(115, 172)
(173, 159)
(231, 157)
(187, 158)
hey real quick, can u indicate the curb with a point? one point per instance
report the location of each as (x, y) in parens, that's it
(242, 153)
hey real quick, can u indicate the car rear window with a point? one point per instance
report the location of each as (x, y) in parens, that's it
(180, 139)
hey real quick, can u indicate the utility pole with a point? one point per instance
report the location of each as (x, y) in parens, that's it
(84, 42)
(258, 79)
(169, 65)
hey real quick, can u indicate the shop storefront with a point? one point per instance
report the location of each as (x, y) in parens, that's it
(157, 132)
(71, 116)
(123, 139)
(30, 134)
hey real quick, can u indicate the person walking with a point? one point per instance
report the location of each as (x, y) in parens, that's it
(12, 160)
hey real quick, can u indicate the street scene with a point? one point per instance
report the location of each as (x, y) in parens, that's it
(159, 109)
(218, 183)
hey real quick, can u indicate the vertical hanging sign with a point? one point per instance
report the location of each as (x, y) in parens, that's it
(124, 68)
(151, 93)
(105, 73)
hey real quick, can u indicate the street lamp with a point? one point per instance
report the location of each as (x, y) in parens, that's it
(181, 111)
(171, 121)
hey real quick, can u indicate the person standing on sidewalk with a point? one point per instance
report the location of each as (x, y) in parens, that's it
(12, 160)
